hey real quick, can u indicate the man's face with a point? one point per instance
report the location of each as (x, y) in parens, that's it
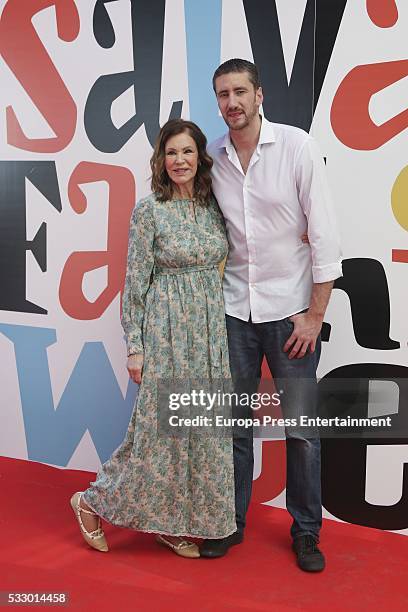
(237, 99)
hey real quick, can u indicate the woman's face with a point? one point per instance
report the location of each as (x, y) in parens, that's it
(181, 161)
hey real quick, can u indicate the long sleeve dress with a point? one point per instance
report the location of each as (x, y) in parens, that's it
(173, 313)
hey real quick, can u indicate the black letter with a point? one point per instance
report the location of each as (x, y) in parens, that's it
(293, 103)
(344, 460)
(147, 31)
(13, 240)
(365, 283)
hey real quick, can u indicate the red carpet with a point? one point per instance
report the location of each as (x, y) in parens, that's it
(41, 550)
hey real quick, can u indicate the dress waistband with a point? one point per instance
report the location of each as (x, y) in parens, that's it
(185, 270)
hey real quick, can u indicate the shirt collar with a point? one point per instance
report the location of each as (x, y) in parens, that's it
(267, 134)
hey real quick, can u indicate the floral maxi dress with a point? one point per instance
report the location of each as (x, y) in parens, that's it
(173, 312)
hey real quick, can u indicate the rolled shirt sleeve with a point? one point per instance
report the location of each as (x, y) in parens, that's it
(316, 201)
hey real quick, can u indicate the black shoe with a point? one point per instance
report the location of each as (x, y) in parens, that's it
(218, 548)
(309, 557)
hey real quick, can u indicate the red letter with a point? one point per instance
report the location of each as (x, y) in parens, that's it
(384, 14)
(121, 203)
(28, 60)
(350, 118)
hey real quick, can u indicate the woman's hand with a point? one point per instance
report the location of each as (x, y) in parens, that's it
(135, 366)
(305, 239)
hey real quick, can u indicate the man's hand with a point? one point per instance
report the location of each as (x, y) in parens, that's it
(307, 325)
(135, 366)
(306, 329)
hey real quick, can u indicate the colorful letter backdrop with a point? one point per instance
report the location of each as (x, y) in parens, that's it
(85, 86)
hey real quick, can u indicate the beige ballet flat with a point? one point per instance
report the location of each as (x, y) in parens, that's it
(183, 548)
(96, 539)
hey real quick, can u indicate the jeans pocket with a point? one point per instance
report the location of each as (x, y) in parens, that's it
(291, 323)
(288, 322)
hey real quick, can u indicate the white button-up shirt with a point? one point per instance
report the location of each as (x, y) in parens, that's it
(270, 272)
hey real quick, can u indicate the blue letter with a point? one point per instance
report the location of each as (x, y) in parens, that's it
(92, 399)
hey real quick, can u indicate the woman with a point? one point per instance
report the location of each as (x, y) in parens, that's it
(173, 317)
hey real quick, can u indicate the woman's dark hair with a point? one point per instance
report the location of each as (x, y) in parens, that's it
(161, 183)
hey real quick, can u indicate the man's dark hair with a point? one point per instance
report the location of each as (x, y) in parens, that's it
(238, 65)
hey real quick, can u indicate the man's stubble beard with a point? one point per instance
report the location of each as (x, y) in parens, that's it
(249, 119)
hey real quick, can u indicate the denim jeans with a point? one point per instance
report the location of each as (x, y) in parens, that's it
(248, 343)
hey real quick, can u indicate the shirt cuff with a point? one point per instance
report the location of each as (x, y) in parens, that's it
(324, 274)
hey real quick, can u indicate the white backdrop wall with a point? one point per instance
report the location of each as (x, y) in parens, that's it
(85, 86)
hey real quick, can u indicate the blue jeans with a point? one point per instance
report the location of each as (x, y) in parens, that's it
(248, 343)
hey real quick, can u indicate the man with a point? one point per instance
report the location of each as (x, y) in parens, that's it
(270, 183)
